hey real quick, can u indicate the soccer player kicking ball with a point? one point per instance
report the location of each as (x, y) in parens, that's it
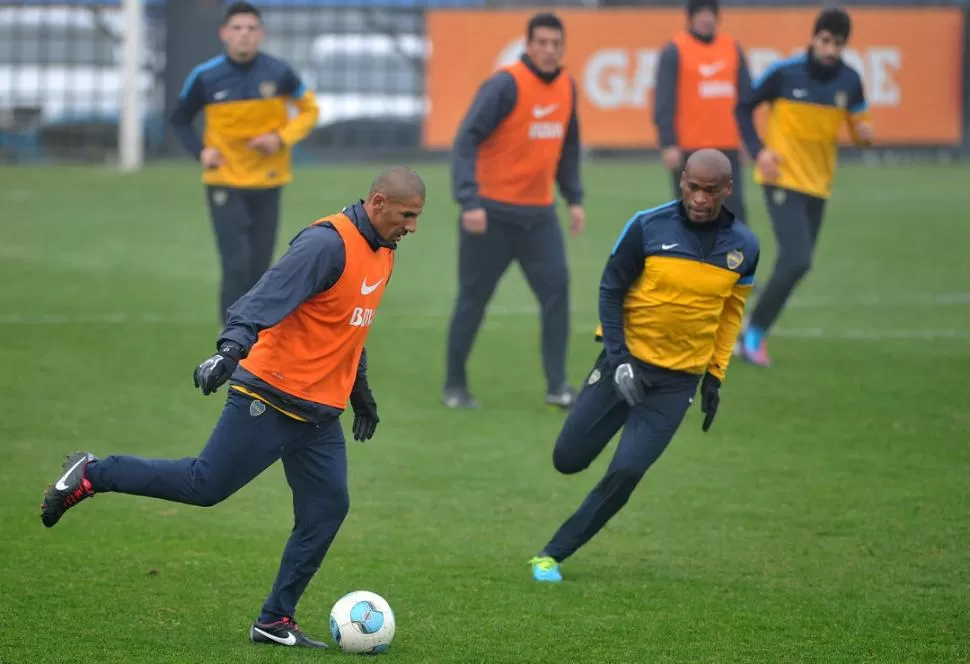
(671, 302)
(812, 96)
(293, 349)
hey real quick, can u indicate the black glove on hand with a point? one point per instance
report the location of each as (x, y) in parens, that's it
(630, 381)
(217, 369)
(710, 399)
(365, 410)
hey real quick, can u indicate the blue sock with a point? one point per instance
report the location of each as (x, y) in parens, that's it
(752, 339)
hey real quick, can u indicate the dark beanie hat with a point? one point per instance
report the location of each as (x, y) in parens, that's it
(835, 20)
(694, 6)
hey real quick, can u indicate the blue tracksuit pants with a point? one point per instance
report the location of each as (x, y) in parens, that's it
(598, 414)
(249, 437)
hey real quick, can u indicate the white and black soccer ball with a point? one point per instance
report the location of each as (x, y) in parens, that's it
(362, 622)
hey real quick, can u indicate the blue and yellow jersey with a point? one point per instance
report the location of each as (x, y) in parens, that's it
(242, 101)
(809, 105)
(673, 291)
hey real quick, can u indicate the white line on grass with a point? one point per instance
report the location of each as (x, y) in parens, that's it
(910, 300)
(867, 335)
(411, 322)
(804, 302)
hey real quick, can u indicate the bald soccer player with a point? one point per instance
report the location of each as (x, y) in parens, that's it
(671, 302)
(293, 353)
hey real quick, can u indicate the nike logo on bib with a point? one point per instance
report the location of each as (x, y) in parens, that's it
(711, 69)
(367, 290)
(543, 111)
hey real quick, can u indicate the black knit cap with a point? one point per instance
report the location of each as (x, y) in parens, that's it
(836, 20)
(694, 6)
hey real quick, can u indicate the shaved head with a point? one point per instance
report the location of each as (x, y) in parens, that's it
(398, 183)
(704, 184)
(394, 203)
(708, 163)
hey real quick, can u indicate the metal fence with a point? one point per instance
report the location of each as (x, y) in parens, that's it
(394, 75)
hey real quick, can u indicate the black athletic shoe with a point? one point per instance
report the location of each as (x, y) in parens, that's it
(283, 632)
(69, 489)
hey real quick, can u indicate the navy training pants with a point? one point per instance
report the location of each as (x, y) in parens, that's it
(599, 412)
(249, 437)
(797, 221)
(539, 247)
(245, 223)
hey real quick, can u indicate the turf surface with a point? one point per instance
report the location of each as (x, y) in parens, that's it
(825, 517)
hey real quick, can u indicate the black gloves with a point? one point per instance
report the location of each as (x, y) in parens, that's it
(632, 384)
(217, 369)
(710, 399)
(365, 409)
(630, 381)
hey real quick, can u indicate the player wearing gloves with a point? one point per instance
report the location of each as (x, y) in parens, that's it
(671, 302)
(293, 354)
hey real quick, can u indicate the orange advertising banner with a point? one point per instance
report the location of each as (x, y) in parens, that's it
(911, 62)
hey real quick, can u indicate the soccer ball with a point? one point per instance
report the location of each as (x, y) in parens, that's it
(362, 622)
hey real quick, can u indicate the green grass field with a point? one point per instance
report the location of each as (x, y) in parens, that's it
(825, 517)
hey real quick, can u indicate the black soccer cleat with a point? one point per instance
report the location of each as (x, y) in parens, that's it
(283, 632)
(69, 489)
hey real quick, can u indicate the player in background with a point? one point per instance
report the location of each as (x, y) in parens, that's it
(245, 96)
(701, 74)
(671, 303)
(812, 96)
(519, 138)
(293, 349)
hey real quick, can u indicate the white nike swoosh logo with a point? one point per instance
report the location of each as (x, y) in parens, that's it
(711, 69)
(665, 247)
(290, 639)
(543, 111)
(367, 290)
(59, 485)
